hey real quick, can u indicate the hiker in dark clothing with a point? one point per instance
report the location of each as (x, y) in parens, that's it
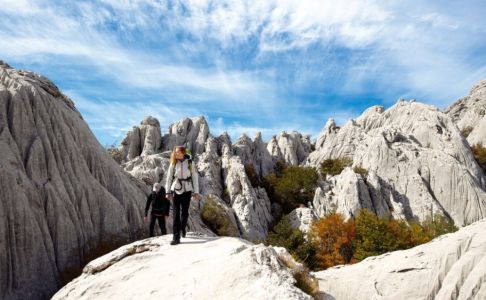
(160, 208)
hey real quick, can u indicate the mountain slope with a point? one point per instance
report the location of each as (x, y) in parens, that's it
(64, 200)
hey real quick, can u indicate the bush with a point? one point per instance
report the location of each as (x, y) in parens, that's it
(216, 218)
(437, 225)
(283, 235)
(361, 171)
(332, 237)
(376, 235)
(334, 166)
(480, 155)
(466, 131)
(296, 186)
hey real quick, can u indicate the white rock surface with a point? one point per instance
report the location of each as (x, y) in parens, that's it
(301, 218)
(422, 163)
(254, 153)
(191, 133)
(199, 268)
(143, 140)
(150, 136)
(251, 205)
(63, 199)
(348, 193)
(292, 148)
(470, 111)
(452, 266)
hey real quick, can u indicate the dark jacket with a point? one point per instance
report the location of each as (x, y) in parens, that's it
(160, 204)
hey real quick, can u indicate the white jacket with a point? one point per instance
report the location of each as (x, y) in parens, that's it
(181, 171)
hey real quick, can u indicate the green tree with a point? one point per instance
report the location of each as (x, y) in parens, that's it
(296, 186)
(292, 239)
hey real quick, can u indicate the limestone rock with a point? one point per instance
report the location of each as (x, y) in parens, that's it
(63, 200)
(191, 133)
(149, 169)
(410, 147)
(347, 193)
(251, 205)
(292, 148)
(143, 140)
(469, 113)
(301, 218)
(200, 267)
(254, 153)
(452, 266)
(150, 136)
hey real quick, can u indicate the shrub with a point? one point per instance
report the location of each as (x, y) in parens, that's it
(216, 218)
(334, 166)
(296, 186)
(376, 235)
(361, 171)
(304, 280)
(292, 239)
(332, 237)
(340, 242)
(438, 225)
(480, 155)
(466, 131)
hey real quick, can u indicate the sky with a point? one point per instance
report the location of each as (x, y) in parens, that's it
(246, 66)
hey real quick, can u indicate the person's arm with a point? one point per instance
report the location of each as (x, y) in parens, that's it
(147, 206)
(168, 181)
(195, 178)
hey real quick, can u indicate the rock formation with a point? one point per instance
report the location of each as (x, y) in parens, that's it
(292, 148)
(64, 200)
(221, 169)
(418, 161)
(452, 266)
(201, 267)
(469, 113)
(301, 218)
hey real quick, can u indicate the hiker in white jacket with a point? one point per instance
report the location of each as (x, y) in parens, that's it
(181, 185)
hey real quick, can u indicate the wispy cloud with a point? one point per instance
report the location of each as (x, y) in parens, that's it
(259, 66)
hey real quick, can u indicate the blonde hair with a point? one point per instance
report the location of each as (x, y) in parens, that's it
(173, 159)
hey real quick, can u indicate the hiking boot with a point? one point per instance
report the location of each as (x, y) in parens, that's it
(175, 242)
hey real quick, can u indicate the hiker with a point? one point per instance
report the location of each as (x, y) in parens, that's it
(182, 182)
(160, 208)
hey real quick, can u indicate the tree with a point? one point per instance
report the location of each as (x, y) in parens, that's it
(438, 225)
(373, 237)
(332, 237)
(292, 239)
(296, 186)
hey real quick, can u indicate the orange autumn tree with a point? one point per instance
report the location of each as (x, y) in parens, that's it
(332, 238)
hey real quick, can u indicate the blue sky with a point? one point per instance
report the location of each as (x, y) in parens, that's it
(247, 66)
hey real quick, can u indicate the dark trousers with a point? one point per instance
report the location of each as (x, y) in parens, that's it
(161, 220)
(181, 209)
